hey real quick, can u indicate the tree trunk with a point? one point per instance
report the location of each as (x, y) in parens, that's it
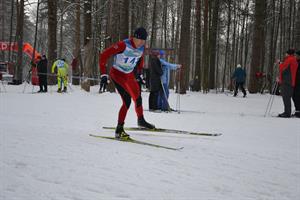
(11, 28)
(76, 51)
(258, 44)
(153, 32)
(213, 44)
(297, 27)
(227, 45)
(184, 49)
(124, 19)
(52, 43)
(205, 49)
(19, 35)
(197, 87)
(36, 29)
(88, 46)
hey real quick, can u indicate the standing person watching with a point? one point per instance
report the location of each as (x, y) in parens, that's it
(287, 80)
(163, 96)
(42, 73)
(155, 83)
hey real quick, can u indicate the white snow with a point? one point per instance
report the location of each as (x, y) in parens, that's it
(46, 152)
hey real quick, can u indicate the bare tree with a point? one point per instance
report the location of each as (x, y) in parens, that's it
(88, 45)
(52, 25)
(184, 47)
(124, 19)
(213, 44)
(258, 44)
(205, 49)
(77, 49)
(197, 87)
(19, 35)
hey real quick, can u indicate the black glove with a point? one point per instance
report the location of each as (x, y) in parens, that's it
(140, 79)
(104, 79)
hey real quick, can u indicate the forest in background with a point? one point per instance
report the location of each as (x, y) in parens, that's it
(208, 37)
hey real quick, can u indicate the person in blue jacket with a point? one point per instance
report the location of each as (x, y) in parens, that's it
(239, 76)
(163, 96)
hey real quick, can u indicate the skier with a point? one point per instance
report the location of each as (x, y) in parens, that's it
(287, 80)
(42, 73)
(61, 68)
(127, 53)
(296, 96)
(239, 76)
(164, 93)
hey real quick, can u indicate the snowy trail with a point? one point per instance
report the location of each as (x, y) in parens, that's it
(46, 153)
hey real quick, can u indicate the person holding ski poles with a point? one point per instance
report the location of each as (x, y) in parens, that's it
(287, 80)
(163, 96)
(61, 68)
(127, 53)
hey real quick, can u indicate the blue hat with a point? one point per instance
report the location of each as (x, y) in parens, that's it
(162, 52)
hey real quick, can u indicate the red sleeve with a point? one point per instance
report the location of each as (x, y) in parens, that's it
(107, 53)
(140, 65)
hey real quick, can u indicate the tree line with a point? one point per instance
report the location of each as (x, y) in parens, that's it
(208, 37)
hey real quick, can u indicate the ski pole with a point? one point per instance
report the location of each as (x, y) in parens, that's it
(165, 95)
(178, 93)
(271, 105)
(271, 99)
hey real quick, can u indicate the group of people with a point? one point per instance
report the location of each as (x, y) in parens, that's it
(126, 74)
(289, 81)
(60, 67)
(159, 81)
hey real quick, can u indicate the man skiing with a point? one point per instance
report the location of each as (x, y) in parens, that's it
(239, 75)
(128, 54)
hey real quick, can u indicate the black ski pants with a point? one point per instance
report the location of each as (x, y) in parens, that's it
(241, 86)
(287, 94)
(43, 83)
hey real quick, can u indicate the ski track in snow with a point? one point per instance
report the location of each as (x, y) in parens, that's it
(46, 153)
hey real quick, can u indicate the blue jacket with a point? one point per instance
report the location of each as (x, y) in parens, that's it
(166, 66)
(239, 75)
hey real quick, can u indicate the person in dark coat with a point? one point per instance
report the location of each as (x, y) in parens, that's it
(42, 73)
(296, 95)
(155, 83)
(287, 79)
(239, 76)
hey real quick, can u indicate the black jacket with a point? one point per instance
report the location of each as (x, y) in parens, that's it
(42, 66)
(155, 74)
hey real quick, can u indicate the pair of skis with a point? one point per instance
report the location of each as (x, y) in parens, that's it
(161, 130)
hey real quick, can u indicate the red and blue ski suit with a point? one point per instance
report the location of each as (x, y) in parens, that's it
(126, 58)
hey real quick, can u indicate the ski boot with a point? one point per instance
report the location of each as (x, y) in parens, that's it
(120, 134)
(284, 115)
(144, 124)
(59, 90)
(65, 89)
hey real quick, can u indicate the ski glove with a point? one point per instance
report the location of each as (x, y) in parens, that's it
(140, 79)
(104, 79)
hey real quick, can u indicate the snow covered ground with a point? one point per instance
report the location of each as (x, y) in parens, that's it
(46, 152)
